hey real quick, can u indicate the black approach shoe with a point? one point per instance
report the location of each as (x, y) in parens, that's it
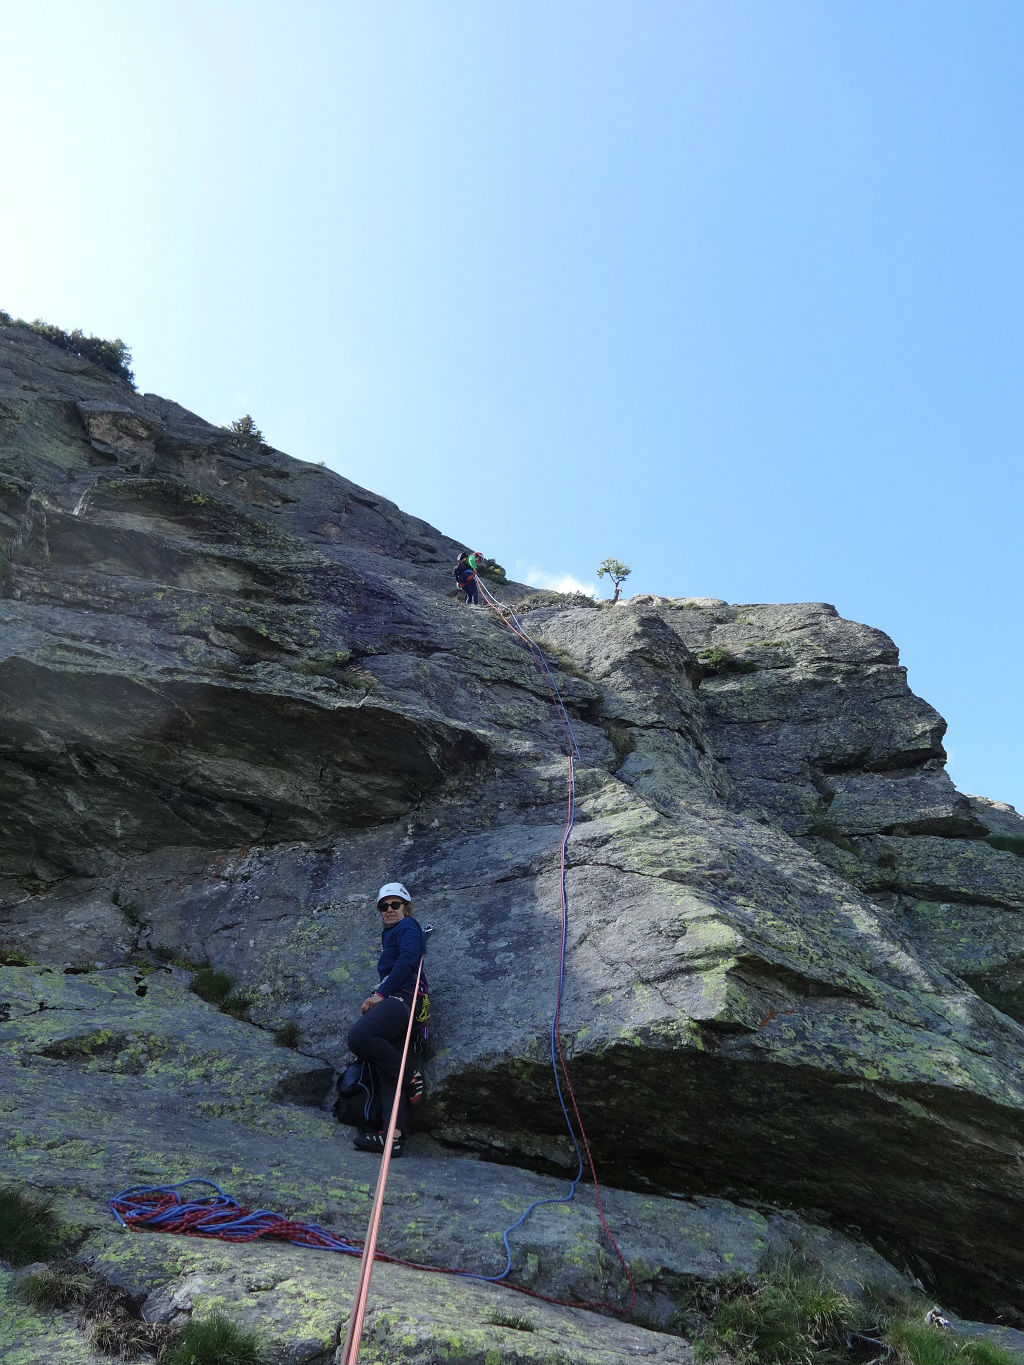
(374, 1142)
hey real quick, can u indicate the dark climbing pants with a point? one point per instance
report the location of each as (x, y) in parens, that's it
(378, 1037)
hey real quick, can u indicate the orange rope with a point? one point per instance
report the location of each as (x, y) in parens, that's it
(350, 1354)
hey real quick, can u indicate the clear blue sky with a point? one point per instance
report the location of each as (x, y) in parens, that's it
(729, 290)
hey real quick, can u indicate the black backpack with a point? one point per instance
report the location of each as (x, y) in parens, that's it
(358, 1101)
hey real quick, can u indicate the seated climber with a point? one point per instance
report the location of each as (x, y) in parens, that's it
(379, 1035)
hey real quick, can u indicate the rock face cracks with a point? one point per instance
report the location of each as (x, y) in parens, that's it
(238, 694)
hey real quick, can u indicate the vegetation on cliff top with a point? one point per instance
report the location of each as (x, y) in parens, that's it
(113, 356)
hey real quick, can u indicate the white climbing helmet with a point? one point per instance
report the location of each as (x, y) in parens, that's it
(393, 889)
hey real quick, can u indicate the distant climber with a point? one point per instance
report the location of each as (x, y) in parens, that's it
(466, 569)
(378, 1036)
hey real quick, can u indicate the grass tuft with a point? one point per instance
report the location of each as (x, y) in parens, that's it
(718, 662)
(29, 1229)
(56, 1286)
(14, 957)
(212, 986)
(238, 1004)
(174, 959)
(790, 1317)
(216, 1340)
(288, 1034)
(915, 1342)
(513, 1320)
(562, 659)
(126, 1337)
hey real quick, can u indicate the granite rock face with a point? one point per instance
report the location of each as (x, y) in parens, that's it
(238, 694)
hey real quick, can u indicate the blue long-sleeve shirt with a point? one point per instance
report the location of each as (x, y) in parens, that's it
(401, 948)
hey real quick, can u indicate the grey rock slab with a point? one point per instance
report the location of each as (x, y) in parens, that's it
(911, 803)
(150, 1034)
(983, 944)
(83, 928)
(933, 868)
(998, 817)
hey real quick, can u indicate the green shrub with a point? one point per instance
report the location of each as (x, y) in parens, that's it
(492, 571)
(246, 433)
(29, 1229)
(215, 1340)
(288, 1034)
(717, 662)
(14, 957)
(1007, 843)
(211, 985)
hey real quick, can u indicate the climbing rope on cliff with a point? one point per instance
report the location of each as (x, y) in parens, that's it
(508, 618)
(350, 1354)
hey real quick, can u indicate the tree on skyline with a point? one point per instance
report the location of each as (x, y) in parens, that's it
(616, 571)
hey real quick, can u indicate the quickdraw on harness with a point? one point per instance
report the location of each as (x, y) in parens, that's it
(421, 1024)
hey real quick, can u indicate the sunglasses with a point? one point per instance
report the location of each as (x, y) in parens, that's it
(389, 905)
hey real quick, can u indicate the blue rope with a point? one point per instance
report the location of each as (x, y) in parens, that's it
(136, 1203)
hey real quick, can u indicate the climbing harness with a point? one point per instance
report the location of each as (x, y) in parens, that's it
(162, 1208)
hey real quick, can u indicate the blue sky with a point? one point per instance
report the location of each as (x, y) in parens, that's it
(730, 291)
